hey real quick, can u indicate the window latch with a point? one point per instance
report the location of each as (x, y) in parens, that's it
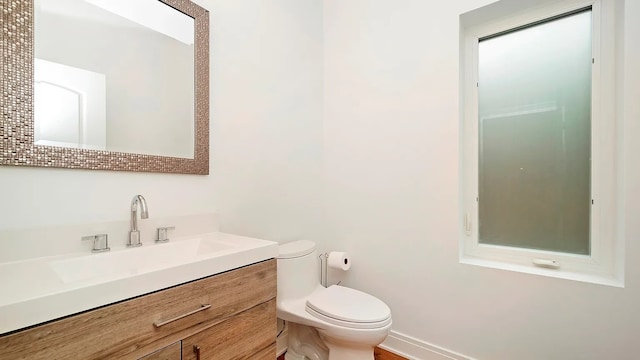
(546, 263)
(467, 224)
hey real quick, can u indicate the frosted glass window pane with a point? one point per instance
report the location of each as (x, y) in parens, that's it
(534, 105)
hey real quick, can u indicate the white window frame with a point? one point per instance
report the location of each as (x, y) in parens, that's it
(605, 264)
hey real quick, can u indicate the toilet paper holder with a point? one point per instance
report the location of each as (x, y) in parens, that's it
(324, 268)
(339, 260)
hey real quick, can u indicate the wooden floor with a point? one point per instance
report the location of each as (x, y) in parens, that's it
(379, 354)
(382, 354)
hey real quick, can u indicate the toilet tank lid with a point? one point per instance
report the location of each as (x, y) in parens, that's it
(296, 249)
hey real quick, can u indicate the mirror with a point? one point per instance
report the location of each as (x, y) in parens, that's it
(107, 84)
(138, 79)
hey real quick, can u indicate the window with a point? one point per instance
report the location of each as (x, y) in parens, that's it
(538, 145)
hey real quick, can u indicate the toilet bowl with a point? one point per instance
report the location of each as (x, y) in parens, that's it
(333, 323)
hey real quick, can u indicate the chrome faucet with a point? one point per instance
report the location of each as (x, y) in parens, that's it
(134, 234)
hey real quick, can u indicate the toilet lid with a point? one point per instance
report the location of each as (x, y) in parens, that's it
(296, 249)
(348, 306)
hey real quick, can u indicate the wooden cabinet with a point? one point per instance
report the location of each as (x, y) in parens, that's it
(245, 336)
(231, 315)
(171, 352)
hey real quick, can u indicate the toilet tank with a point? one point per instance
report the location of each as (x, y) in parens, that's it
(298, 269)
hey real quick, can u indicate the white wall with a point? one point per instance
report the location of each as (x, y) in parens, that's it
(267, 116)
(266, 109)
(391, 169)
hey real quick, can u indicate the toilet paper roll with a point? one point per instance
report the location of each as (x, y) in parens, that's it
(339, 260)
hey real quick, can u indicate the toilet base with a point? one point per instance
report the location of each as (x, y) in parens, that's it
(346, 351)
(306, 343)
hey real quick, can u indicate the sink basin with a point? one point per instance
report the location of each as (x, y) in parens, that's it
(137, 260)
(42, 289)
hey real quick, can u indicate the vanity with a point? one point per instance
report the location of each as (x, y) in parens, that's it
(205, 297)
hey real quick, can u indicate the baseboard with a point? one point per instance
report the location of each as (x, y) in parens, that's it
(400, 344)
(412, 348)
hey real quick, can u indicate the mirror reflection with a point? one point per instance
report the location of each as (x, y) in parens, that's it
(114, 75)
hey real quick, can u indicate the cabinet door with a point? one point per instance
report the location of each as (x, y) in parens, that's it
(248, 335)
(171, 352)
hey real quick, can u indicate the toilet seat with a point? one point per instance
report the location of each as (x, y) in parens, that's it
(348, 307)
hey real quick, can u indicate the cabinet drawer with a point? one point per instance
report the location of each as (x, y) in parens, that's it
(171, 352)
(249, 335)
(126, 329)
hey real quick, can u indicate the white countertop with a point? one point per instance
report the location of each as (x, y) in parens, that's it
(37, 290)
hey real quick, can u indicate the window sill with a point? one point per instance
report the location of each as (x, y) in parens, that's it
(555, 273)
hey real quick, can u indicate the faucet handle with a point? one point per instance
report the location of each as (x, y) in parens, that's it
(100, 242)
(163, 233)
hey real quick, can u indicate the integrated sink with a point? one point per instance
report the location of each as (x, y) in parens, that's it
(42, 289)
(138, 260)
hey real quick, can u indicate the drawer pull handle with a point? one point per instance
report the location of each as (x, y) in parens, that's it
(162, 323)
(196, 350)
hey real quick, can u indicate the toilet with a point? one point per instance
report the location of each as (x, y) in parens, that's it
(333, 323)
